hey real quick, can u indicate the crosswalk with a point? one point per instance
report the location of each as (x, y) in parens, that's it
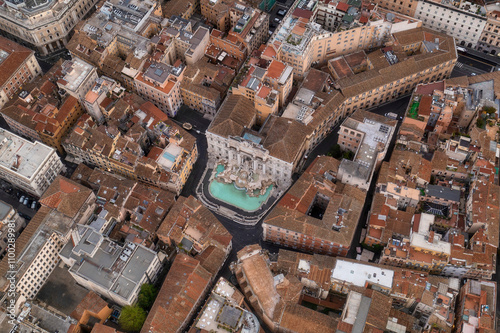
(459, 64)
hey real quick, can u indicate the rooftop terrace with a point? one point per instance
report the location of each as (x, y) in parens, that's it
(22, 156)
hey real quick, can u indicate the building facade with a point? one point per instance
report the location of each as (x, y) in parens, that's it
(18, 66)
(160, 84)
(29, 166)
(463, 23)
(45, 28)
(490, 35)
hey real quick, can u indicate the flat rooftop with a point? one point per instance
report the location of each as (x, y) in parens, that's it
(359, 274)
(169, 155)
(5, 209)
(76, 71)
(442, 192)
(109, 265)
(376, 138)
(22, 156)
(61, 291)
(435, 245)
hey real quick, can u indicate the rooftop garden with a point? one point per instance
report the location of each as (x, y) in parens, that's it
(293, 40)
(413, 111)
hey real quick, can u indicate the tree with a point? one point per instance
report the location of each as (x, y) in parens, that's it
(335, 151)
(147, 296)
(480, 122)
(348, 155)
(489, 109)
(132, 318)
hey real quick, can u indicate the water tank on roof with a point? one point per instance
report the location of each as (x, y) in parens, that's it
(390, 17)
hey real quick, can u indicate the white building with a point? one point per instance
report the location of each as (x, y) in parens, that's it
(114, 271)
(361, 275)
(465, 22)
(79, 78)
(367, 135)
(30, 166)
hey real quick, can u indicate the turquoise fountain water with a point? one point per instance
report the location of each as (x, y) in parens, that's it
(229, 194)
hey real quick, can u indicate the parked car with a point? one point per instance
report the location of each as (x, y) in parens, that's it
(26, 202)
(277, 20)
(391, 115)
(281, 12)
(33, 204)
(22, 199)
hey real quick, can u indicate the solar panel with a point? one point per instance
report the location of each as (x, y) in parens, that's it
(158, 71)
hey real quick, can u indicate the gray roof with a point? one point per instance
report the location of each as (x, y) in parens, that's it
(362, 314)
(443, 193)
(5, 208)
(116, 268)
(355, 169)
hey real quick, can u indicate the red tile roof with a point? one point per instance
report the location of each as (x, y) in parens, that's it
(342, 6)
(275, 69)
(298, 12)
(17, 55)
(185, 285)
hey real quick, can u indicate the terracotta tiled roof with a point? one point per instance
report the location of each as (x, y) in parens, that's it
(17, 56)
(236, 113)
(185, 285)
(91, 306)
(65, 196)
(289, 213)
(285, 138)
(100, 328)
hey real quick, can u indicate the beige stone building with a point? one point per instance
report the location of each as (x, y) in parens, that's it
(490, 36)
(461, 19)
(116, 38)
(406, 7)
(161, 85)
(78, 78)
(188, 45)
(18, 66)
(316, 214)
(275, 151)
(302, 43)
(217, 12)
(416, 56)
(45, 27)
(268, 87)
(204, 86)
(368, 136)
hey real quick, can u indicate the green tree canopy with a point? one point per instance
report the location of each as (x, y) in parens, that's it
(489, 109)
(147, 296)
(132, 318)
(480, 122)
(335, 151)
